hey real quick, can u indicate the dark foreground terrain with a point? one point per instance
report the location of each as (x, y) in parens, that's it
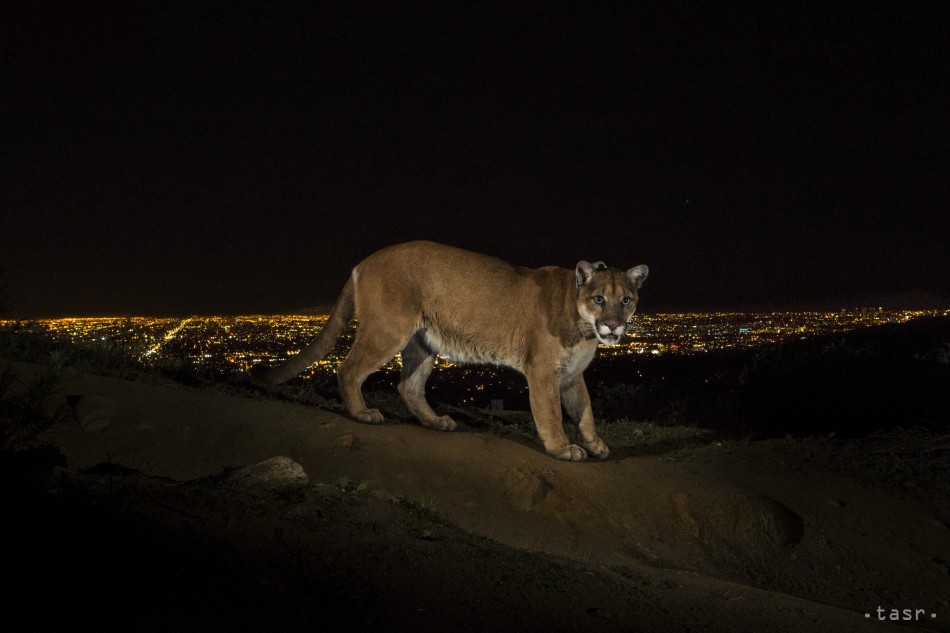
(155, 512)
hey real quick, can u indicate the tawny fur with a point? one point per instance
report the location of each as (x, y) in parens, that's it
(423, 299)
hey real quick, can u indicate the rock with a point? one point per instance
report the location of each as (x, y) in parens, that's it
(93, 413)
(525, 489)
(745, 520)
(346, 441)
(541, 494)
(277, 474)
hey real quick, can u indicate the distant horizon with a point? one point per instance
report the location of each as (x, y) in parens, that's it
(916, 300)
(314, 313)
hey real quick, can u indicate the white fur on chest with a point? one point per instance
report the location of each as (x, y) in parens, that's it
(575, 360)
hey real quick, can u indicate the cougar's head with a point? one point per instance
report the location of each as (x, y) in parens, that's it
(607, 298)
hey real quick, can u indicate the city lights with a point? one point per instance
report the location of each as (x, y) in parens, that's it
(230, 345)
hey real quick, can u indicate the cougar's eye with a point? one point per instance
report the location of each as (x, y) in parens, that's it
(599, 299)
(625, 301)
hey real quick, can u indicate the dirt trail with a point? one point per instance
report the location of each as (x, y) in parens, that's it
(755, 534)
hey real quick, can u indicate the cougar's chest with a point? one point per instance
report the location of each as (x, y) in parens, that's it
(575, 360)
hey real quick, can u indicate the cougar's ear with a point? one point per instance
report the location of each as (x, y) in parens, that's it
(583, 270)
(599, 266)
(638, 274)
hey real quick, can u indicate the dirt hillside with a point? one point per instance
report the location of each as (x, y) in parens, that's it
(404, 528)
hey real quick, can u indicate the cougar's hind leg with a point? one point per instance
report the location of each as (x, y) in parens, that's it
(417, 362)
(373, 348)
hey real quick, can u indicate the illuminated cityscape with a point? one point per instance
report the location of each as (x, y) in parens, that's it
(234, 343)
(703, 332)
(229, 345)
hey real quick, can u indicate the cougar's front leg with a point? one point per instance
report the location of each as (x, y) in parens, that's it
(545, 398)
(576, 401)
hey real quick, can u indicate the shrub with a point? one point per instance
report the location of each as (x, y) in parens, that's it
(25, 408)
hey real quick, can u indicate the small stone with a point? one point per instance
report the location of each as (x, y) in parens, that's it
(346, 441)
(277, 474)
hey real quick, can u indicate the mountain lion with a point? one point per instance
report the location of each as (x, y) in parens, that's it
(423, 299)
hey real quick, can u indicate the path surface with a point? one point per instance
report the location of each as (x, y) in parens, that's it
(733, 539)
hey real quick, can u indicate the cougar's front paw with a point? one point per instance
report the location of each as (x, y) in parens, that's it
(570, 453)
(597, 448)
(369, 416)
(441, 423)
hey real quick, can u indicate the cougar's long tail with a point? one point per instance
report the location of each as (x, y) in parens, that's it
(340, 316)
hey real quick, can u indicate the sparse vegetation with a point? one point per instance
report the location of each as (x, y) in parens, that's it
(649, 438)
(26, 407)
(102, 357)
(424, 509)
(346, 484)
(914, 459)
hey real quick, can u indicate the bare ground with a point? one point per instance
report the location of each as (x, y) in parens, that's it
(403, 528)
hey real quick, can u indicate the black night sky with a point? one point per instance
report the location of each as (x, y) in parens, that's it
(241, 157)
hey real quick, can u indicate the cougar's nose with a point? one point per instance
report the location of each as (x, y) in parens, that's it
(613, 324)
